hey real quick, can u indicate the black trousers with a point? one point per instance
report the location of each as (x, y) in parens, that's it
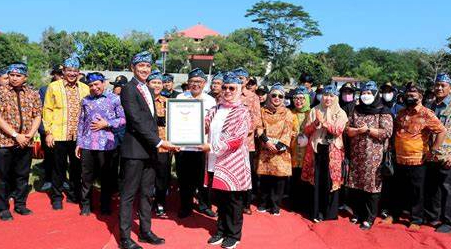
(297, 190)
(62, 151)
(48, 159)
(364, 204)
(190, 167)
(163, 177)
(437, 203)
(410, 191)
(255, 180)
(14, 162)
(325, 202)
(115, 166)
(138, 175)
(230, 213)
(95, 163)
(271, 191)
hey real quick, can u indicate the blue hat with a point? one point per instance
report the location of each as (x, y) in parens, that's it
(72, 61)
(168, 77)
(369, 86)
(144, 56)
(279, 87)
(91, 77)
(155, 74)
(219, 76)
(197, 72)
(20, 68)
(231, 78)
(330, 89)
(241, 72)
(443, 77)
(300, 90)
(3, 71)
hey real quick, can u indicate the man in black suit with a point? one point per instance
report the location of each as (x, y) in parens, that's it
(139, 151)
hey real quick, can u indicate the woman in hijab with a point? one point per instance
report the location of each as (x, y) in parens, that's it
(346, 101)
(227, 125)
(301, 110)
(274, 163)
(369, 129)
(324, 154)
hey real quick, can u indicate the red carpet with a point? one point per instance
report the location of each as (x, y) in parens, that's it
(48, 229)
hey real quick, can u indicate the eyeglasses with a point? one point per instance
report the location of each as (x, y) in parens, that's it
(299, 98)
(230, 88)
(195, 82)
(280, 96)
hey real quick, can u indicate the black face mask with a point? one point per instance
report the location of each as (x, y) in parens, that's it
(410, 101)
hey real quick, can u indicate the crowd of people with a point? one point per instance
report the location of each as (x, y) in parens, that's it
(369, 150)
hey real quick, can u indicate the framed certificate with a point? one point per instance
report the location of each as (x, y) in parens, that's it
(185, 122)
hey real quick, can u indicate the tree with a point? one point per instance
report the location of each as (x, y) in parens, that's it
(283, 26)
(179, 49)
(7, 53)
(57, 46)
(105, 52)
(342, 58)
(136, 42)
(313, 64)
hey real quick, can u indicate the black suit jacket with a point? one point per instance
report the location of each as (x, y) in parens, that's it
(141, 130)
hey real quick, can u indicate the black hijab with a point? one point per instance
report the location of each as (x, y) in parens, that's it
(377, 107)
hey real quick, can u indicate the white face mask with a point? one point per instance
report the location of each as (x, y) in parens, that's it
(367, 99)
(387, 96)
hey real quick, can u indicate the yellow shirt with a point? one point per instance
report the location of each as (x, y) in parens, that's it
(55, 112)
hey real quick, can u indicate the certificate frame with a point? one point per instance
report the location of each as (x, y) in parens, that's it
(175, 127)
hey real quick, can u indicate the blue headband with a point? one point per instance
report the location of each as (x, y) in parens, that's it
(197, 72)
(330, 89)
(72, 62)
(19, 68)
(369, 86)
(231, 78)
(168, 77)
(278, 87)
(443, 77)
(241, 72)
(144, 56)
(300, 90)
(91, 77)
(219, 76)
(155, 75)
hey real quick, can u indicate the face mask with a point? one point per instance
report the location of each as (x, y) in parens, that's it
(319, 97)
(411, 101)
(347, 97)
(367, 99)
(387, 96)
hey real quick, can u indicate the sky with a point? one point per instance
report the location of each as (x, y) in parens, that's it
(393, 25)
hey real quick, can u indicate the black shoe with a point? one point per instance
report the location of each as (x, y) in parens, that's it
(262, 209)
(72, 200)
(184, 214)
(275, 211)
(444, 228)
(208, 212)
(354, 219)
(215, 239)
(151, 238)
(57, 205)
(366, 225)
(5, 215)
(129, 244)
(229, 243)
(247, 211)
(85, 211)
(160, 211)
(23, 210)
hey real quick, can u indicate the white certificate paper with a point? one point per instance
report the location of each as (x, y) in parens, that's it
(185, 122)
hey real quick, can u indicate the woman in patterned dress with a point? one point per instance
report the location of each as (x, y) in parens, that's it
(324, 155)
(369, 128)
(227, 125)
(301, 110)
(274, 162)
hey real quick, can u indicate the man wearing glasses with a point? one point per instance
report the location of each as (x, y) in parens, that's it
(190, 162)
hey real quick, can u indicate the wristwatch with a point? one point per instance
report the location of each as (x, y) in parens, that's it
(14, 135)
(368, 130)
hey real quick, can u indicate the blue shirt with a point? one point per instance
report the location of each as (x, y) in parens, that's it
(106, 106)
(439, 108)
